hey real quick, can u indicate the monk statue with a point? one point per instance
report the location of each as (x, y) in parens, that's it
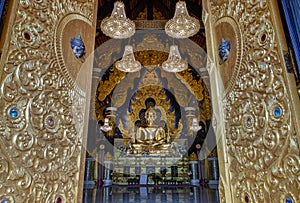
(150, 134)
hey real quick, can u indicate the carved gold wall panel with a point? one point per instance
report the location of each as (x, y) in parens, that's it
(261, 162)
(42, 102)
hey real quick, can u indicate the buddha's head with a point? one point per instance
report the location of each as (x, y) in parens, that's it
(150, 115)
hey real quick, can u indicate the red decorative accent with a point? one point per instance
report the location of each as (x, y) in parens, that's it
(246, 199)
(27, 36)
(263, 38)
(100, 182)
(58, 200)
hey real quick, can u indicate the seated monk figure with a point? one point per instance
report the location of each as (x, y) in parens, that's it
(151, 133)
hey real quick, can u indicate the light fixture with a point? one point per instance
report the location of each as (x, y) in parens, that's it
(195, 125)
(106, 127)
(128, 62)
(174, 63)
(182, 25)
(117, 25)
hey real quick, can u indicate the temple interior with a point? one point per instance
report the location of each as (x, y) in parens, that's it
(151, 123)
(150, 101)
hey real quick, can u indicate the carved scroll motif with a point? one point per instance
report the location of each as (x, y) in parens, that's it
(261, 140)
(40, 140)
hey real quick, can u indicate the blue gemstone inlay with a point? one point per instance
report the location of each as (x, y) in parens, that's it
(13, 113)
(288, 200)
(277, 112)
(4, 201)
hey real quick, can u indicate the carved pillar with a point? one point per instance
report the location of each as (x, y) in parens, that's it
(100, 164)
(89, 176)
(108, 169)
(89, 195)
(212, 167)
(194, 173)
(200, 166)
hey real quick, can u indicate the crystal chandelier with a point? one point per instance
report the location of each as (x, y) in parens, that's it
(195, 125)
(182, 25)
(174, 63)
(117, 25)
(128, 62)
(106, 127)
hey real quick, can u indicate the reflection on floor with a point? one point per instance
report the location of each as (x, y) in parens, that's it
(159, 194)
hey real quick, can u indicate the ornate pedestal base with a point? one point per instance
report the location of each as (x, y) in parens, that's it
(161, 166)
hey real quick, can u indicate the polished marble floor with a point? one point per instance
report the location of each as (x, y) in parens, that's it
(151, 194)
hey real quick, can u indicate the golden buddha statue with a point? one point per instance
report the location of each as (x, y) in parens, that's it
(150, 135)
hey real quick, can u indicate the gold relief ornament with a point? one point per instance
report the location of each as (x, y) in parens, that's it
(108, 157)
(106, 86)
(193, 157)
(207, 104)
(196, 87)
(258, 111)
(42, 108)
(151, 43)
(151, 58)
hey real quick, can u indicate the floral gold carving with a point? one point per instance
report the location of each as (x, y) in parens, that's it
(41, 144)
(195, 86)
(108, 85)
(261, 138)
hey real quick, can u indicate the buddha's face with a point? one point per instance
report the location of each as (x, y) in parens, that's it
(151, 116)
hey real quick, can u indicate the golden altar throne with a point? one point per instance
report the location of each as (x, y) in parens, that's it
(150, 144)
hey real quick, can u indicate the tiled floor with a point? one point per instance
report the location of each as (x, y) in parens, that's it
(164, 194)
